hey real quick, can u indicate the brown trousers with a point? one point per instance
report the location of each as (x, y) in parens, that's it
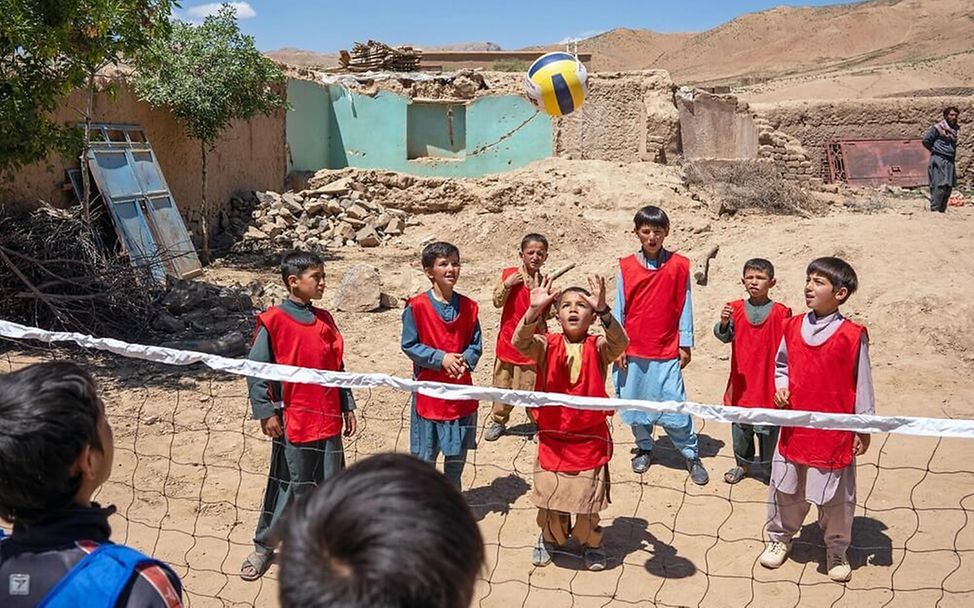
(517, 377)
(556, 528)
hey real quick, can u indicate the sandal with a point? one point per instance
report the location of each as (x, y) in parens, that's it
(256, 565)
(735, 475)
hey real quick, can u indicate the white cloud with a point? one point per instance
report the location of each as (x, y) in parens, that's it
(202, 11)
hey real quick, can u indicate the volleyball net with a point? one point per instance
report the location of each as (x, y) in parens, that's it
(191, 467)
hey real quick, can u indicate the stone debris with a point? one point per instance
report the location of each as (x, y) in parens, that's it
(326, 215)
(359, 290)
(207, 318)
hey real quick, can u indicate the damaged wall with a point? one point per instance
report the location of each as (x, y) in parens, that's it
(249, 156)
(815, 123)
(627, 116)
(444, 135)
(715, 127)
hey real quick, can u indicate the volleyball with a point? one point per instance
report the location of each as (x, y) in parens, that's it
(556, 83)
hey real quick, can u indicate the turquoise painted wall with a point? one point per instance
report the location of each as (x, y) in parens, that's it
(307, 125)
(339, 128)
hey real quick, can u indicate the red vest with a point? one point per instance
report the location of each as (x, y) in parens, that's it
(311, 411)
(654, 302)
(821, 379)
(452, 337)
(570, 439)
(751, 381)
(517, 303)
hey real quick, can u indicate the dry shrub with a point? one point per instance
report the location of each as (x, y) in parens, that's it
(749, 184)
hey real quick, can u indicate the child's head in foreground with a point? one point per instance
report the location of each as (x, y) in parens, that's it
(652, 226)
(304, 275)
(56, 445)
(828, 284)
(534, 252)
(388, 532)
(575, 312)
(758, 278)
(441, 263)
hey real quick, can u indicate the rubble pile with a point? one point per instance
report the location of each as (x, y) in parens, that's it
(375, 56)
(198, 316)
(333, 215)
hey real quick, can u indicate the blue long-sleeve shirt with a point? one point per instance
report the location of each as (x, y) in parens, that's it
(424, 355)
(686, 315)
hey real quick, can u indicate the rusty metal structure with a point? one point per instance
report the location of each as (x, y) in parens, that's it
(878, 162)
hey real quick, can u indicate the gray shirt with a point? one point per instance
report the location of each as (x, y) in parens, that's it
(939, 145)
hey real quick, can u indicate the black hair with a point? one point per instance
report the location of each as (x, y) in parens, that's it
(761, 265)
(534, 237)
(437, 250)
(388, 532)
(839, 273)
(49, 412)
(572, 289)
(294, 263)
(950, 109)
(651, 215)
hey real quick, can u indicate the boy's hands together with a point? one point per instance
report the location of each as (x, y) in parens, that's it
(454, 365)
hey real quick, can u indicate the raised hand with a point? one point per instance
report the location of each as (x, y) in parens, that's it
(544, 295)
(596, 284)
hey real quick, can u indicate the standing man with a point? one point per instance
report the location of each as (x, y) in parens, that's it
(941, 140)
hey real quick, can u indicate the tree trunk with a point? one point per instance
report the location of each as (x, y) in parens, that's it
(85, 144)
(205, 211)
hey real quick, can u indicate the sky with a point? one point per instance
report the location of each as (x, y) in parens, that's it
(326, 25)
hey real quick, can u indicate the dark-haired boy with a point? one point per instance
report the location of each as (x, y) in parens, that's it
(441, 336)
(753, 326)
(571, 474)
(304, 421)
(512, 294)
(822, 366)
(653, 305)
(56, 449)
(388, 531)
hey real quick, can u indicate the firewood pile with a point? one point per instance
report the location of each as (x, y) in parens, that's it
(376, 56)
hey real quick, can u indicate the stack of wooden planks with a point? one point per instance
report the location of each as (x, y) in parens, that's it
(376, 56)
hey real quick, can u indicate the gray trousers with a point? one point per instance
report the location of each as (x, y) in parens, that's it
(786, 514)
(296, 468)
(940, 172)
(744, 437)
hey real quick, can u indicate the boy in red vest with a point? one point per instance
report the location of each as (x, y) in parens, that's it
(571, 474)
(754, 327)
(822, 365)
(511, 368)
(304, 421)
(441, 335)
(653, 305)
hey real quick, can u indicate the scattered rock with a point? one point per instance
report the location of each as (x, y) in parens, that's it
(359, 290)
(387, 300)
(367, 237)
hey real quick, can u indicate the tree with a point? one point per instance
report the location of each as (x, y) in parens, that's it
(209, 75)
(47, 50)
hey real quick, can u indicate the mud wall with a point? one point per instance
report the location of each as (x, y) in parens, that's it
(627, 116)
(249, 156)
(815, 123)
(715, 127)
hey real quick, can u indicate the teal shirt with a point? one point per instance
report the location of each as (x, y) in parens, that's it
(259, 389)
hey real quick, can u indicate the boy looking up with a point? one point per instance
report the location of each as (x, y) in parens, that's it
(822, 366)
(441, 335)
(304, 421)
(753, 326)
(56, 450)
(512, 294)
(653, 305)
(571, 474)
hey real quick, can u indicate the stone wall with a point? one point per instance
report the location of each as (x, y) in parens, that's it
(627, 116)
(790, 157)
(816, 123)
(249, 156)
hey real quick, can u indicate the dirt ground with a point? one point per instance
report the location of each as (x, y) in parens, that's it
(191, 467)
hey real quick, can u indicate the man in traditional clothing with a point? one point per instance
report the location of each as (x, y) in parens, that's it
(941, 140)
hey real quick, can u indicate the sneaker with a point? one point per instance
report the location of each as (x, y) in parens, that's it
(541, 554)
(493, 431)
(775, 554)
(838, 566)
(641, 461)
(698, 474)
(594, 559)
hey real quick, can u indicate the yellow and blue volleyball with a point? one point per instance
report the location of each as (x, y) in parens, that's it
(556, 83)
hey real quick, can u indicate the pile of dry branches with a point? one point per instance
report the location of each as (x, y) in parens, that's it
(56, 274)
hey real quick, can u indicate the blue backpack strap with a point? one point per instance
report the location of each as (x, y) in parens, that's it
(99, 578)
